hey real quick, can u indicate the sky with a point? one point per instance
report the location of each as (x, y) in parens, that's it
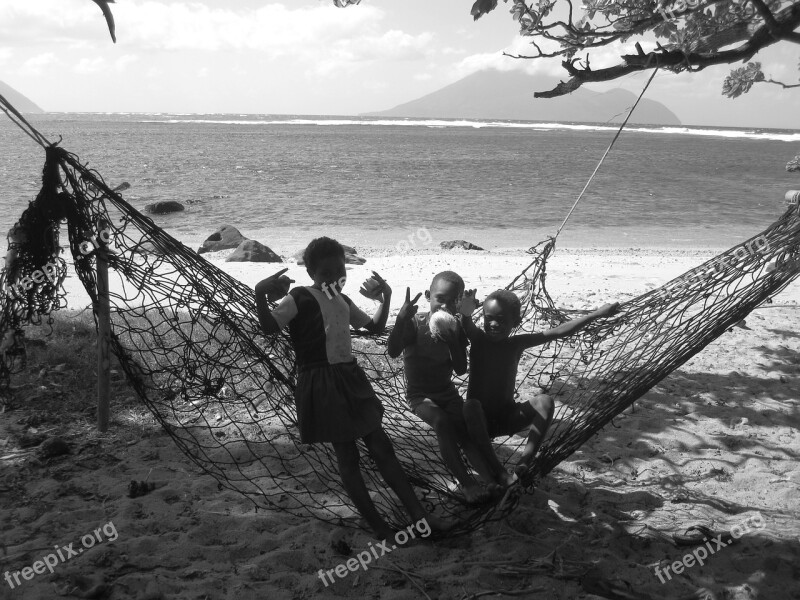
(307, 57)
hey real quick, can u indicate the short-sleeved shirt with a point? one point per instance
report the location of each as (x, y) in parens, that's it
(493, 369)
(428, 366)
(319, 326)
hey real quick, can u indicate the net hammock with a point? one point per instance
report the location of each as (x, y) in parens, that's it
(187, 336)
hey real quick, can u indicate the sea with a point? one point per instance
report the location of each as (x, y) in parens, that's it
(284, 179)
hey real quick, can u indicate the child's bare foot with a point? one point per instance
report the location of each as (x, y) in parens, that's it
(475, 493)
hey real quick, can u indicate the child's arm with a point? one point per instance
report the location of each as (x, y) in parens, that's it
(375, 288)
(271, 289)
(568, 328)
(466, 308)
(396, 341)
(456, 340)
(458, 351)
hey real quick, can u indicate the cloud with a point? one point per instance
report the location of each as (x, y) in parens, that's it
(45, 21)
(124, 61)
(5, 55)
(272, 28)
(349, 54)
(496, 60)
(35, 65)
(327, 38)
(90, 65)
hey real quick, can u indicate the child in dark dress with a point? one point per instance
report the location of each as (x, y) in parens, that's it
(490, 410)
(334, 399)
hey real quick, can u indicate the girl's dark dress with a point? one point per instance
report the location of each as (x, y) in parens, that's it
(334, 399)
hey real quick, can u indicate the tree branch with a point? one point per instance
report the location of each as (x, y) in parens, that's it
(765, 12)
(785, 86)
(677, 59)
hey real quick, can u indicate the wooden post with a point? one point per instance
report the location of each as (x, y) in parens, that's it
(103, 337)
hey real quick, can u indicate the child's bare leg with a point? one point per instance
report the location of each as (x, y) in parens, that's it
(539, 412)
(381, 450)
(347, 458)
(446, 434)
(485, 462)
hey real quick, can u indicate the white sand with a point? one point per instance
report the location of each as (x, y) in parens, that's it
(577, 278)
(715, 443)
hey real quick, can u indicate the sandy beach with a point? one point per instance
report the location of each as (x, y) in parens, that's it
(648, 138)
(715, 444)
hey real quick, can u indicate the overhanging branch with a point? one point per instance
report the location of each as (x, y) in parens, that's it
(676, 59)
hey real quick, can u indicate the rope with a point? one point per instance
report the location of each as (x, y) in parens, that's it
(611, 145)
(17, 118)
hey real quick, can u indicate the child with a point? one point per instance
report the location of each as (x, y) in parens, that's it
(429, 365)
(490, 410)
(335, 401)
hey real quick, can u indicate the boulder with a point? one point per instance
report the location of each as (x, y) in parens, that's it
(459, 244)
(253, 251)
(353, 259)
(164, 207)
(224, 238)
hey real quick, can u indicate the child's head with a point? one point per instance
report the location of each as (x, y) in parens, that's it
(324, 259)
(446, 291)
(501, 313)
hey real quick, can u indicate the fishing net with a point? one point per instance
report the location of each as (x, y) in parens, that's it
(187, 336)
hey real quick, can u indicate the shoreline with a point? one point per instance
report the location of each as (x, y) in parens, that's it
(286, 241)
(577, 278)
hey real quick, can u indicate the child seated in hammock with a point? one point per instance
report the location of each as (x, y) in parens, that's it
(433, 346)
(490, 410)
(334, 399)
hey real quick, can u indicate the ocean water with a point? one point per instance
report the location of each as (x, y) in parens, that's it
(283, 180)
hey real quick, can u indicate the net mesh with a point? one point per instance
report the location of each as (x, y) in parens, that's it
(188, 338)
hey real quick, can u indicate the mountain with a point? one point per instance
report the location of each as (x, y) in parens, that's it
(509, 95)
(18, 101)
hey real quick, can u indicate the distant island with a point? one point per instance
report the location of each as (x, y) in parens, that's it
(508, 95)
(20, 102)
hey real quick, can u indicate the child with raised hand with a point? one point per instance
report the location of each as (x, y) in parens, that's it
(490, 410)
(334, 399)
(433, 345)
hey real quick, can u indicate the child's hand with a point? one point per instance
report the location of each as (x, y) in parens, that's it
(607, 310)
(468, 303)
(275, 286)
(409, 308)
(375, 288)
